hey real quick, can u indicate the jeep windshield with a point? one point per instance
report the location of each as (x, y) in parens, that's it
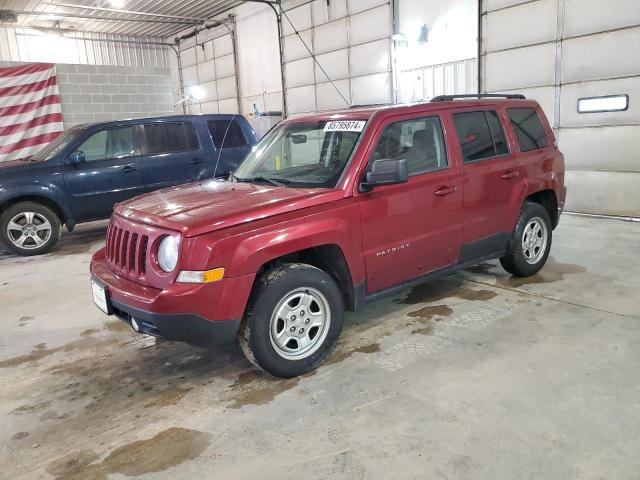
(307, 154)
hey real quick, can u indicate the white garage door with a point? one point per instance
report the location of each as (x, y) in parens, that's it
(562, 51)
(351, 40)
(210, 64)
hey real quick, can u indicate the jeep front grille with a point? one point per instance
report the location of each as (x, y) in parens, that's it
(127, 252)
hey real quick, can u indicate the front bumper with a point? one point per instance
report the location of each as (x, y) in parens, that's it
(184, 327)
(196, 313)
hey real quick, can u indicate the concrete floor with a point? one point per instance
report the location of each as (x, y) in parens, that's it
(475, 376)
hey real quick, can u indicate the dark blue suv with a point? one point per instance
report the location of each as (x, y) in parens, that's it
(82, 174)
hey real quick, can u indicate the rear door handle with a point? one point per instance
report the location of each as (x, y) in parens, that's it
(444, 190)
(130, 167)
(196, 161)
(510, 174)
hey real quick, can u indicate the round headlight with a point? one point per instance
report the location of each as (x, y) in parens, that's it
(168, 253)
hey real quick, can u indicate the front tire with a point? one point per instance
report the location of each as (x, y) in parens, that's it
(29, 228)
(530, 243)
(293, 321)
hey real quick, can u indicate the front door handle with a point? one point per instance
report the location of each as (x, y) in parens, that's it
(196, 161)
(444, 190)
(508, 175)
(130, 167)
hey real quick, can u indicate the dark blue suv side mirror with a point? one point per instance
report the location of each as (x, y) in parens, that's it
(76, 157)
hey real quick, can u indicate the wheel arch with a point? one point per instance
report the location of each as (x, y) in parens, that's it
(547, 198)
(327, 257)
(43, 200)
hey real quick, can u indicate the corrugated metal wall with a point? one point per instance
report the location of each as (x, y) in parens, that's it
(558, 51)
(351, 39)
(28, 45)
(423, 83)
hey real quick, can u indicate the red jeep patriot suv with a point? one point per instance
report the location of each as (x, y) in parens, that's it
(329, 212)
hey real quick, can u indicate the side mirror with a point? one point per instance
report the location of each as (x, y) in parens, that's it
(76, 157)
(386, 172)
(299, 138)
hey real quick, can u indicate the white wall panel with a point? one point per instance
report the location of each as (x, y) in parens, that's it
(222, 46)
(590, 148)
(495, 4)
(356, 6)
(209, 107)
(570, 93)
(204, 52)
(509, 22)
(582, 16)
(328, 97)
(606, 55)
(522, 67)
(226, 88)
(331, 36)
(371, 57)
(225, 66)
(228, 106)
(188, 57)
(300, 17)
(323, 13)
(299, 73)
(607, 193)
(190, 76)
(371, 89)
(258, 58)
(209, 91)
(301, 99)
(294, 49)
(336, 64)
(346, 46)
(370, 25)
(206, 71)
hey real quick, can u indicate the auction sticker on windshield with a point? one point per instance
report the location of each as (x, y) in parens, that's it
(344, 126)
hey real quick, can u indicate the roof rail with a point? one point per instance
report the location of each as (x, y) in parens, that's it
(448, 98)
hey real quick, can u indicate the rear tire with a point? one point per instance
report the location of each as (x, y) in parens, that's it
(293, 320)
(530, 243)
(29, 228)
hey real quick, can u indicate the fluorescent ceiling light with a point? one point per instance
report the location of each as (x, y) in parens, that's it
(607, 103)
(117, 3)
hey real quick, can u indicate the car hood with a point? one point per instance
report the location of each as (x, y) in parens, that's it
(11, 166)
(210, 205)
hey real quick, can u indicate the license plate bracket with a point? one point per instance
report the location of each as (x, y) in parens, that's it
(100, 294)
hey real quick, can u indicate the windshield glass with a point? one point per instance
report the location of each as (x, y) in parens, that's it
(51, 149)
(309, 154)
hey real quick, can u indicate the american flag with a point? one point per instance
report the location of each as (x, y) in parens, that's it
(30, 110)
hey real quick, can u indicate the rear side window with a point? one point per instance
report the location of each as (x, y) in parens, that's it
(169, 138)
(529, 129)
(229, 132)
(481, 135)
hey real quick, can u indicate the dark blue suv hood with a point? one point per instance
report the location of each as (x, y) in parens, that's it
(15, 166)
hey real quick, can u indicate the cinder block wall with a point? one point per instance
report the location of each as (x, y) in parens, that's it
(95, 93)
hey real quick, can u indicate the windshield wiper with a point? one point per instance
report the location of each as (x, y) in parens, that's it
(277, 182)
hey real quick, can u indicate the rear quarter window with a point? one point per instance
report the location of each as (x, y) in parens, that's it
(528, 128)
(226, 134)
(480, 134)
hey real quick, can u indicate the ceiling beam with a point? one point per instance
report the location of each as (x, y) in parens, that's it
(53, 15)
(131, 12)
